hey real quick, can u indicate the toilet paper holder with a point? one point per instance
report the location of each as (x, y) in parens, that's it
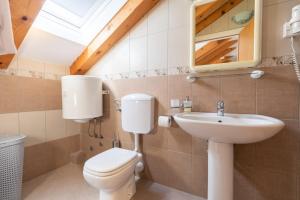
(165, 121)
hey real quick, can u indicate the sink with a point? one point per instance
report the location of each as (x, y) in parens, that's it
(222, 132)
(230, 128)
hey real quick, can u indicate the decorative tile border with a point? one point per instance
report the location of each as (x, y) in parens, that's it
(276, 61)
(30, 73)
(179, 70)
(176, 70)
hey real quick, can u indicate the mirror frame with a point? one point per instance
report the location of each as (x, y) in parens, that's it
(232, 65)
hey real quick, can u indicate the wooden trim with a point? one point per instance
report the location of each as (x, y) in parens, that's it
(209, 48)
(218, 35)
(203, 11)
(216, 15)
(23, 13)
(120, 24)
(246, 42)
(222, 49)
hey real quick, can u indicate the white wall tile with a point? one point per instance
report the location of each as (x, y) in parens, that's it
(179, 13)
(55, 125)
(72, 127)
(54, 71)
(178, 47)
(157, 50)
(32, 124)
(9, 124)
(140, 29)
(121, 56)
(158, 17)
(138, 54)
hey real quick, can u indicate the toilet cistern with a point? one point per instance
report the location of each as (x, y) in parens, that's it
(137, 118)
(114, 172)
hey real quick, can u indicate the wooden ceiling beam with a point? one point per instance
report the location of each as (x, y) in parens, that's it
(23, 14)
(209, 48)
(205, 10)
(226, 7)
(221, 50)
(119, 25)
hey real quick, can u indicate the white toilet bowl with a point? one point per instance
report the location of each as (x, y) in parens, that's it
(112, 173)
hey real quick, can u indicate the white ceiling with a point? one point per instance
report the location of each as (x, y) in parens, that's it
(76, 20)
(46, 47)
(57, 36)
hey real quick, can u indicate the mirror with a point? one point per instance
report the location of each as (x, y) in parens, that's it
(225, 34)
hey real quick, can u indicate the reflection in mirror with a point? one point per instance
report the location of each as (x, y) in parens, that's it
(224, 31)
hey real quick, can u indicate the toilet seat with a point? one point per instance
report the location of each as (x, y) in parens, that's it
(110, 162)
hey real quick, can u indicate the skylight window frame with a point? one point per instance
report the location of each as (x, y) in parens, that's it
(84, 34)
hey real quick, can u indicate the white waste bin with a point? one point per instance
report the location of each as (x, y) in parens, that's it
(11, 167)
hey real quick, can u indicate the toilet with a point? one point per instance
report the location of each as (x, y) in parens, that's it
(115, 171)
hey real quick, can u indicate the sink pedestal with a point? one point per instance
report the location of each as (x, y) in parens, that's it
(220, 171)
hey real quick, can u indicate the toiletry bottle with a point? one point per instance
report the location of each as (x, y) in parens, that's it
(187, 105)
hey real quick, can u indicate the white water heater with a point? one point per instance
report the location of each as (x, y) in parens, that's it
(81, 97)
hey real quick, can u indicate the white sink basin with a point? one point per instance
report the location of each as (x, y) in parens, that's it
(231, 128)
(222, 132)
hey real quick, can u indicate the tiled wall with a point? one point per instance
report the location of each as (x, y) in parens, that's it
(267, 170)
(27, 67)
(30, 104)
(159, 44)
(146, 61)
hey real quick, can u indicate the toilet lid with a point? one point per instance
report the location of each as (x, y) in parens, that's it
(110, 160)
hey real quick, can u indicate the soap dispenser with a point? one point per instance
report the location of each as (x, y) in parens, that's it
(187, 105)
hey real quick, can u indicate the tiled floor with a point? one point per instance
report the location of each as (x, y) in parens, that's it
(67, 183)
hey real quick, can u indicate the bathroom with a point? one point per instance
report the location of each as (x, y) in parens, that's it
(144, 52)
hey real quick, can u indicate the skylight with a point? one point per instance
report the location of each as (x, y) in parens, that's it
(76, 20)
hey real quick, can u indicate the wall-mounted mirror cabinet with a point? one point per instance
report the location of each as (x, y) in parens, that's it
(225, 34)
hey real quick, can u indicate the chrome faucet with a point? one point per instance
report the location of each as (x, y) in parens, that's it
(220, 108)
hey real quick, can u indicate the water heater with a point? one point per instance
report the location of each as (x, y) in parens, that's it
(81, 97)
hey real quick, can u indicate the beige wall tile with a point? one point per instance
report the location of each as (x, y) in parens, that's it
(10, 94)
(239, 99)
(278, 153)
(180, 170)
(72, 128)
(157, 138)
(44, 157)
(21, 94)
(179, 141)
(205, 94)
(55, 125)
(244, 183)
(33, 125)
(199, 146)
(199, 175)
(178, 87)
(37, 161)
(52, 95)
(157, 167)
(9, 124)
(31, 94)
(275, 186)
(278, 93)
(244, 155)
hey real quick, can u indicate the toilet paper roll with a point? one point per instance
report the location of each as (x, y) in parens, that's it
(164, 121)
